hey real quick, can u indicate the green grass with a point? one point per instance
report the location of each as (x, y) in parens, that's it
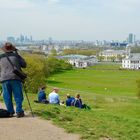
(111, 94)
(106, 66)
(108, 82)
(114, 118)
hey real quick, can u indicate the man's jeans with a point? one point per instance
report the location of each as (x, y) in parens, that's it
(15, 87)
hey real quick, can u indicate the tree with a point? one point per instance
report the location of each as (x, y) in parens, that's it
(54, 65)
(112, 58)
(119, 57)
(100, 58)
(36, 72)
(53, 52)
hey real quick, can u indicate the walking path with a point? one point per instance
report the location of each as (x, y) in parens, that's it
(29, 128)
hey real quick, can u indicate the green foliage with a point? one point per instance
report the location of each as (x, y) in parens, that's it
(53, 52)
(55, 65)
(39, 68)
(120, 57)
(36, 72)
(135, 49)
(112, 58)
(100, 58)
(87, 52)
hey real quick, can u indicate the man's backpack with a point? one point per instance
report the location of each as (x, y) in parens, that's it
(4, 113)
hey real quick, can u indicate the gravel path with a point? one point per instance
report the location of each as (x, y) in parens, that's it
(28, 128)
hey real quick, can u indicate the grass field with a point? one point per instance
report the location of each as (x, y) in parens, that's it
(111, 94)
(107, 82)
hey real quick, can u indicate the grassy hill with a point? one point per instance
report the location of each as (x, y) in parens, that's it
(106, 82)
(111, 94)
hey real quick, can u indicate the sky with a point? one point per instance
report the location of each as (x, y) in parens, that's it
(70, 19)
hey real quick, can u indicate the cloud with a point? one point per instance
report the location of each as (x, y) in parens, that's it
(70, 18)
(53, 1)
(15, 4)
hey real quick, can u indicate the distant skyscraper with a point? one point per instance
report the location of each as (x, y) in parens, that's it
(50, 41)
(134, 39)
(31, 38)
(130, 38)
(11, 39)
(21, 38)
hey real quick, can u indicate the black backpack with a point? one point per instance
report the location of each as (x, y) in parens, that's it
(4, 113)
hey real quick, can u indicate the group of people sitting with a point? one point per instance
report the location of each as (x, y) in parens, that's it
(53, 98)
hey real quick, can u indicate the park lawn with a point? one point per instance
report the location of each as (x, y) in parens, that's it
(117, 118)
(111, 94)
(108, 82)
(106, 66)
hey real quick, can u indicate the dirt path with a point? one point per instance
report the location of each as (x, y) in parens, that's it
(28, 128)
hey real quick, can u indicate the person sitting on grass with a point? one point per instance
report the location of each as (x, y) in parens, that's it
(54, 97)
(69, 100)
(78, 102)
(42, 96)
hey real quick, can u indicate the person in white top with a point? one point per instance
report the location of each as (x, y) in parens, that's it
(54, 97)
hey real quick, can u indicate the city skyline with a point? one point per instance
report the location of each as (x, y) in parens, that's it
(70, 20)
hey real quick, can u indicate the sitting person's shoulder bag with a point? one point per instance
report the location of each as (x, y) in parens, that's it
(16, 71)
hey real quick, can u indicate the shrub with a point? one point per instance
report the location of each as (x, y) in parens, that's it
(36, 72)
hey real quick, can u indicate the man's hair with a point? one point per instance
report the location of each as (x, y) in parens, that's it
(55, 88)
(77, 95)
(68, 95)
(43, 87)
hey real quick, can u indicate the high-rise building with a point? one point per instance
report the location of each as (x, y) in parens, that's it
(31, 38)
(134, 39)
(21, 38)
(11, 39)
(130, 38)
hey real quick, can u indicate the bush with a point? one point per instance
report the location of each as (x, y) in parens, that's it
(54, 65)
(36, 72)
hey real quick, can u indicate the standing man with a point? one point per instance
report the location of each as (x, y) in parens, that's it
(54, 97)
(11, 83)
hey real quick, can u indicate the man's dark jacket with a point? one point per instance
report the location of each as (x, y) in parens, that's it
(6, 70)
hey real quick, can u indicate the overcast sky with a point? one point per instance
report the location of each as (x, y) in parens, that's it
(70, 19)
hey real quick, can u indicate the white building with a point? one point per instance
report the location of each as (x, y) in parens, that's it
(132, 62)
(80, 61)
(108, 54)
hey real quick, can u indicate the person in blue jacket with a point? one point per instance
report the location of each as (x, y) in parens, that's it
(69, 100)
(42, 95)
(78, 101)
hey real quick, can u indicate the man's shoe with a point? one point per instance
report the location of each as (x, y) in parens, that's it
(20, 114)
(11, 114)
